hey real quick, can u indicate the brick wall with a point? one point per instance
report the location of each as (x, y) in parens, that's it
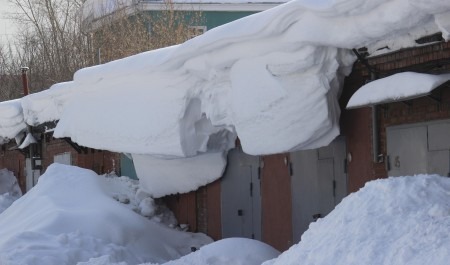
(97, 160)
(357, 124)
(199, 209)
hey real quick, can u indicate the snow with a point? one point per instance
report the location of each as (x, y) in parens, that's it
(11, 120)
(443, 22)
(236, 251)
(73, 215)
(273, 79)
(29, 139)
(47, 105)
(395, 221)
(160, 177)
(401, 86)
(9, 189)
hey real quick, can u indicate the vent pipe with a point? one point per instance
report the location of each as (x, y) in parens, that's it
(26, 90)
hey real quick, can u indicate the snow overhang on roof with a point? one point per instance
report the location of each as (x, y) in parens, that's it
(398, 87)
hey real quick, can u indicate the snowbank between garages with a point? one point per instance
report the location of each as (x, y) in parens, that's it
(71, 216)
(395, 221)
(236, 251)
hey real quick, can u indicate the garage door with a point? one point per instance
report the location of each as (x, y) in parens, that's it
(241, 196)
(419, 149)
(319, 183)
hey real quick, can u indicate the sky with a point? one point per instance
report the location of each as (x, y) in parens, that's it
(7, 27)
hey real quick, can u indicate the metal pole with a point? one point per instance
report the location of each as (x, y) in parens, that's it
(26, 91)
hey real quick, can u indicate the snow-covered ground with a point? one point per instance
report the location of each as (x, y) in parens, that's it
(74, 216)
(395, 221)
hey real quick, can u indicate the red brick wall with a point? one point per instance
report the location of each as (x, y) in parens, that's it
(276, 202)
(357, 124)
(184, 208)
(199, 209)
(97, 160)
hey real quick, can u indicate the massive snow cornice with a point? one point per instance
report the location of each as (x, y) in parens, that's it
(272, 78)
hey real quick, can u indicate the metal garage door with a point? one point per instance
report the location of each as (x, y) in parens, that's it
(319, 183)
(241, 196)
(418, 149)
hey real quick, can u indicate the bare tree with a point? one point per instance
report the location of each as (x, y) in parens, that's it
(54, 41)
(118, 34)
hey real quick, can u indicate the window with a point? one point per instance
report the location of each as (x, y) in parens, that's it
(195, 31)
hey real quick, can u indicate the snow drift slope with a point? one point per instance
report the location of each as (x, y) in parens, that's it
(236, 251)
(70, 217)
(395, 221)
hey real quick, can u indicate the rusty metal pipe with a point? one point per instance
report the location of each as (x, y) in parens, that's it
(26, 90)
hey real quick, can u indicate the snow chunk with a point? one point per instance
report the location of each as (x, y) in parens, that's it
(70, 216)
(46, 105)
(401, 86)
(11, 120)
(396, 221)
(29, 139)
(160, 177)
(443, 22)
(236, 251)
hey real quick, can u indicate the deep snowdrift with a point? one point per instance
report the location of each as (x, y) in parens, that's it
(395, 221)
(73, 215)
(236, 251)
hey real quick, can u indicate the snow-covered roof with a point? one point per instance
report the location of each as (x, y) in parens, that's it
(11, 120)
(397, 87)
(273, 79)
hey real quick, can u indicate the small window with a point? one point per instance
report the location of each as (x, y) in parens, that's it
(64, 158)
(195, 31)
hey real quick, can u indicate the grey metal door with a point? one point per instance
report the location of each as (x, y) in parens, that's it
(241, 196)
(439, 148)
(407, 150)
(419, 148)
(319, 183)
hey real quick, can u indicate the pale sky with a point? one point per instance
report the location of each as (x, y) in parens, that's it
(7, 28)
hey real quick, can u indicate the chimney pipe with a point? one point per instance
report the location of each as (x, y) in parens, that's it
(26, 90)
